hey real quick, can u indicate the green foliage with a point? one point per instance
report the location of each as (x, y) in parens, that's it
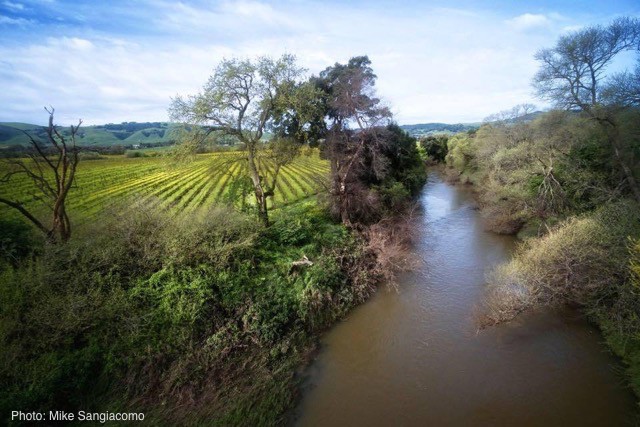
(405, 164)
(134, 154)
(17, 241)
(90, 155)
(620, 321)
(56, 327)
(150, 307)
(435, 147)
(460, 154)
(536, 172)
(391, 176)
(635, 264)
(394, 194)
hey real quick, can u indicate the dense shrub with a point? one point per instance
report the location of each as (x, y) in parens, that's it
(435, 147)
(581, 261)
(90, 155)
(460, 154)
(132, 154)
(387, 174)
(405, 164)
(534, 173)
(17, 241)
(147, 309)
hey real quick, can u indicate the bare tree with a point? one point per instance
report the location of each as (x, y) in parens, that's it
(242, 99)
(51, 167)
(622, 90)
(517, 114)
(574, 76)
(572, 72)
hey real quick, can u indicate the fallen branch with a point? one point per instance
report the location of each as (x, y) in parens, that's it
(296, 265)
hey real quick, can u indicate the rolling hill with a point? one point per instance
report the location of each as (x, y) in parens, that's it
(425, 129)
(126, 134)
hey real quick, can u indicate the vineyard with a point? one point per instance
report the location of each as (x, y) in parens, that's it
(182, 187)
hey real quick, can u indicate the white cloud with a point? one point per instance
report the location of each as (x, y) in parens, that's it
(528, 21)
(13, 6)
(254, 9)
(73, 43)
(433, 64)
(571, 28)
(103, 80)
(14, 21)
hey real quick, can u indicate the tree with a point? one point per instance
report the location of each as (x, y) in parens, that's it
(245, 99)
(622, 90)
(350, 100)
(52, 169)
(574, 76)
(435, 146)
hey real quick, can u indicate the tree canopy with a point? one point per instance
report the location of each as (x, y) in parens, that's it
(573, 74)
(246, 99)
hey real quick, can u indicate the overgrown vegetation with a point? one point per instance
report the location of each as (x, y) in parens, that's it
(566, 181)
(148, 312)
(582, 261)
(533, 173)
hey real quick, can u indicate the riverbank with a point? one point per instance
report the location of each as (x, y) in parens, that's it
(552, 182)
(414, 356)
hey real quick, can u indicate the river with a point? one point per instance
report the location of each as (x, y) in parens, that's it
(414, 357)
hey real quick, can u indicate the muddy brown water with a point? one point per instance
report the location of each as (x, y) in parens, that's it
(414, 357)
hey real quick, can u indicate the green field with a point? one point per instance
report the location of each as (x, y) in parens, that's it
(113, 180)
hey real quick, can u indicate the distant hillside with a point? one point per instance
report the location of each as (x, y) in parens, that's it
(126, 134)
(425, 129)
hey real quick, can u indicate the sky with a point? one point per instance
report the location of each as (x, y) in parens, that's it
(436, 61)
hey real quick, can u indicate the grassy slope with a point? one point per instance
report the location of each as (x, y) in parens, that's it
(10, 133)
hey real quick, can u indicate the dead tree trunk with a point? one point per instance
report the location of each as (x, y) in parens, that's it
(52, 168)
(258, 186)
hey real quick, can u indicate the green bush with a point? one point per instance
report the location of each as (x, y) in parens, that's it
(90, 155)
(17, 241)
(131, 154)
(620, 321)
(395, 195)
(435, 147)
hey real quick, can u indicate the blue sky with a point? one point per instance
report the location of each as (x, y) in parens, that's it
(114, 61)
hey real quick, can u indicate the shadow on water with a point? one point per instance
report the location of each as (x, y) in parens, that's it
(414, 356)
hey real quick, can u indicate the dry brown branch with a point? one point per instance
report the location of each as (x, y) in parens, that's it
(52, 178)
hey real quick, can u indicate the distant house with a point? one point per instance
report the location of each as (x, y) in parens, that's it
(136, 146)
